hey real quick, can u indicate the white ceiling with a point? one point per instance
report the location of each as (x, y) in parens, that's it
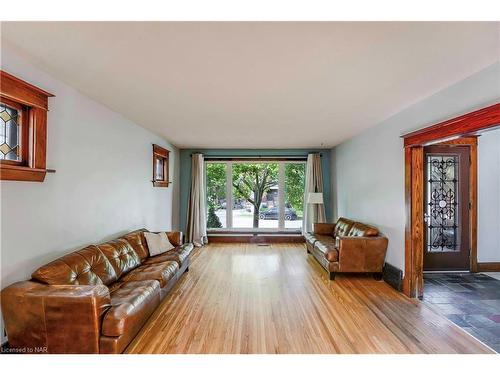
(257, 84)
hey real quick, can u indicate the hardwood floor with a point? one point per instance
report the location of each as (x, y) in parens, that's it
(245, 298)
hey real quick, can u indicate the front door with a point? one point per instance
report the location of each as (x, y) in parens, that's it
(446, 211)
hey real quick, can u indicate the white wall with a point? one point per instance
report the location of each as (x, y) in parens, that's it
(368, 170)
(488, 184)
(102, 185)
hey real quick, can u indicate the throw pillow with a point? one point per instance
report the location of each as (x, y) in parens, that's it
(158, 243)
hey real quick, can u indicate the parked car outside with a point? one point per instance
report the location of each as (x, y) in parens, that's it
(272, 214)
(239, 204)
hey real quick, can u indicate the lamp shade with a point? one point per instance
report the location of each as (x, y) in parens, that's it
(315, 198)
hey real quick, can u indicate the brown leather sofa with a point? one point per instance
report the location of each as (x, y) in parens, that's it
(347, 246)
(94, 300)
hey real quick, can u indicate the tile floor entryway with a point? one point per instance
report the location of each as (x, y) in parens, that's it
(472, 301)
(495, 275)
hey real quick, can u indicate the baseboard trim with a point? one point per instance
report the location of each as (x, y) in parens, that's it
(393, 276)
(488, 267)
(255, 238)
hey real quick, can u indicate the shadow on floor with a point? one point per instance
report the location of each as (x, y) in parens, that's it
(471, 301)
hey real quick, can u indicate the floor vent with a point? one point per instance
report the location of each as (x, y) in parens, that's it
(263, 244)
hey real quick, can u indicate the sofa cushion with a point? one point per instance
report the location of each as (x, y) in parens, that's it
(326, 239)
(138, 242)
(362, 230)
(131, 305)
(310, 238)
(324, 243)
(121, 255)
(87, 266)
(180, 254)
(343, 226)
(162, 272)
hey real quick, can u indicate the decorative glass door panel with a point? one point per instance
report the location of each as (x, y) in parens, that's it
(446, 208)
(442, 220)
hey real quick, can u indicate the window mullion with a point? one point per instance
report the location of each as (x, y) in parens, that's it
(229, 195)
(281, 195)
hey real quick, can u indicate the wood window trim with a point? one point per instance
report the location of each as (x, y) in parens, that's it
(462, 130)
(162, 154)
(34, 104)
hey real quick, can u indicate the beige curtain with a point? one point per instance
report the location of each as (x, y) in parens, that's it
(197, 225)
(313, 213)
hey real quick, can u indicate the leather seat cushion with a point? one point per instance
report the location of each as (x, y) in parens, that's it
(325, 244)
(362, 230)
(180, 255)
(310, 237)
(131, 305)
(162, 272)
(343, 226)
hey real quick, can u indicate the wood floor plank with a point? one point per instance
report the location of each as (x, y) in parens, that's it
(245, 298)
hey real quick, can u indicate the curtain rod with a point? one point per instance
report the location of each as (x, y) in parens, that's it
(255, 157)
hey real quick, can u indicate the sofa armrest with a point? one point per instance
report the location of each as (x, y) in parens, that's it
(361, 254)
(54, 318)
(176, 238)
(324, 228)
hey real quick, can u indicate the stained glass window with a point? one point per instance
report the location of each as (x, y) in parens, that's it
(9, 133)
(442, 206)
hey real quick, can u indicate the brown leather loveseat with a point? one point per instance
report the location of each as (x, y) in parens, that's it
(94, 300)
(347, 246)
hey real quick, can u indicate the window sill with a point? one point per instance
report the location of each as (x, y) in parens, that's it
(9, 172)
(161, 183)
(252, 232)
(255, 237)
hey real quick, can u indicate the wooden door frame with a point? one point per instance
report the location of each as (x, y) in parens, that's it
(462, 130)
(471, 143)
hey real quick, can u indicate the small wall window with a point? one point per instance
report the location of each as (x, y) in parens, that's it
(23, 130)
(160, 166)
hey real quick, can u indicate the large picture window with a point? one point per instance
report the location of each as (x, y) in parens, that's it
(255, 195)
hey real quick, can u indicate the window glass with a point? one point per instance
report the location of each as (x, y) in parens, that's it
(269, 208)
(252, 201)
(159, 169)
(216, 195)
(9, 133)
(294, 194)
(255, 195)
